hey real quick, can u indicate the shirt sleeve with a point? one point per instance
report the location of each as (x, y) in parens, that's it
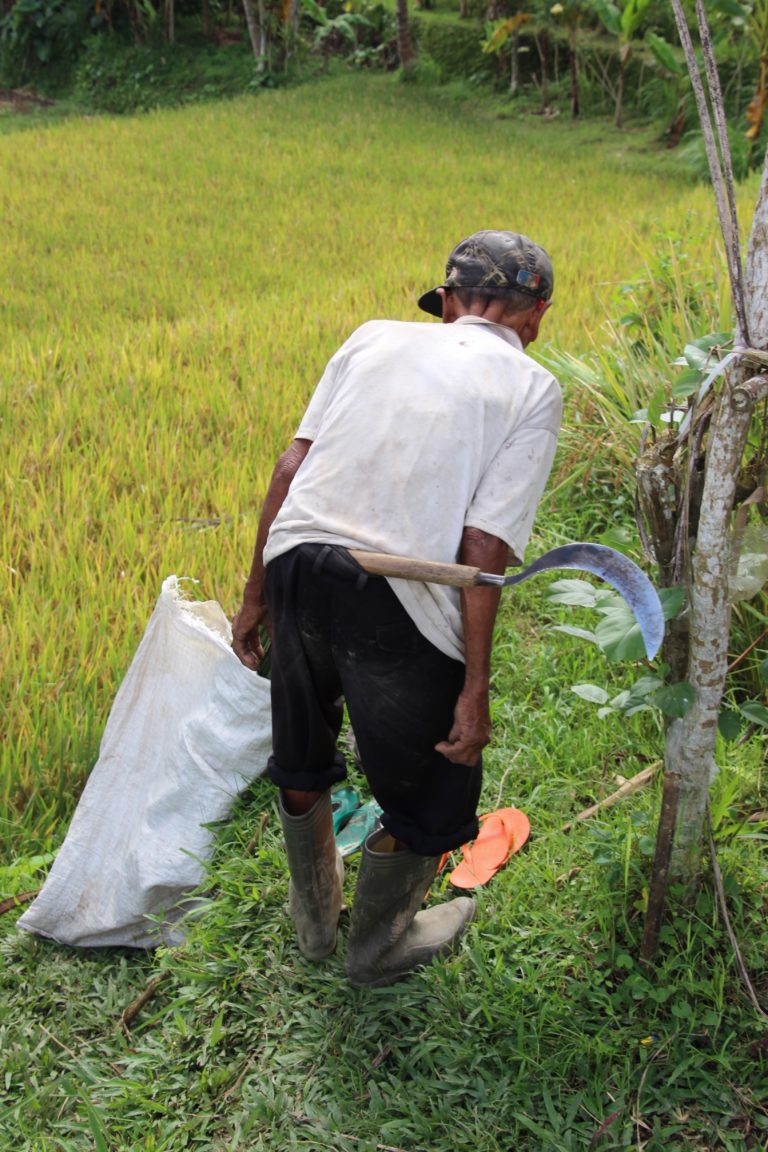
(315, 410)
(324, 392)
(506, 499)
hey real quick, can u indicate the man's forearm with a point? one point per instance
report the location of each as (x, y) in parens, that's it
(284, 471)
(471, 728)
(480, 605)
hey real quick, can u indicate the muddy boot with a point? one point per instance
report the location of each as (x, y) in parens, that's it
(317, 873)
(388, 936)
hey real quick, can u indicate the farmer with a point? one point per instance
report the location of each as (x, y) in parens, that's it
(422, 440)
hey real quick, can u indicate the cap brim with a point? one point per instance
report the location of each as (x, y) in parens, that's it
(432, 302)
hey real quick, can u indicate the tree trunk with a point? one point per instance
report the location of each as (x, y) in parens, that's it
(756, 274)
(514, 71)
(170, 22)
(294, 22)
(405, 51)
(255, 34)
(542, 47)
(689, 753)
(572, 41)
(623, 56)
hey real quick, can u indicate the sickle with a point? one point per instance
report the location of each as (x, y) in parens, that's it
(609, 565)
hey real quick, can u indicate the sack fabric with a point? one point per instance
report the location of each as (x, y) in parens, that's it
(190, 727)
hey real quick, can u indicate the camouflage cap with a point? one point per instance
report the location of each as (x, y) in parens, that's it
(488, 260)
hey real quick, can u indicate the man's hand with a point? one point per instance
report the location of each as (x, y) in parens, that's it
(471, 729)
(246, 643)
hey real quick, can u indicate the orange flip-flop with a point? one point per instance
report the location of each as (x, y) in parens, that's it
(501, 834)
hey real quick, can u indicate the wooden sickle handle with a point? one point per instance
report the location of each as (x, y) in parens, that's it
(428, 571)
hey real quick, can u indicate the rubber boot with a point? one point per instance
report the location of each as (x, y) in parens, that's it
(317, 874)
(388, 936)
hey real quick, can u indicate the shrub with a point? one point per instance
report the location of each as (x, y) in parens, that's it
(455, 48)
(112, 76)
(41, 39)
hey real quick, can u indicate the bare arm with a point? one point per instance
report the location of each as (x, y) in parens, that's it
(471, 729)
(254, 612)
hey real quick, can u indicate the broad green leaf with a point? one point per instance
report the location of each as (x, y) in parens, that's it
(675, 699)
(730, 8)
(632, 17)
(618, 538)
(609, 15)
(618, 633)
(664, 54)
(573, 592)
(686, 384)
(698, 358)
(633, 711)
(657, 404)
(672, 600)
(755, 712)
(729, 724)
(591, 692)
(713, 340)
(645, 685)
(579, 633)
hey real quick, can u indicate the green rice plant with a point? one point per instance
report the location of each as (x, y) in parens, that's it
(629, 368)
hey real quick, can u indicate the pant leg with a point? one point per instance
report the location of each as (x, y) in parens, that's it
(334, 634)
(305, 687)
(400, 693)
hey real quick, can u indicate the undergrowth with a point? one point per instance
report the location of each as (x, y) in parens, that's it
(544, 1032)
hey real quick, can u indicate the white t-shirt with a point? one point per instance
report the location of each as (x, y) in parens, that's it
(417, 431)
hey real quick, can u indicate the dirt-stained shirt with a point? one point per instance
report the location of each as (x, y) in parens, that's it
(419, 430)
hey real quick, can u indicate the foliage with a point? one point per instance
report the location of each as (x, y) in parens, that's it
(627, 371)
(693, 158)
(38, 34)
(364, 35)
(113, 77)
(456, 48)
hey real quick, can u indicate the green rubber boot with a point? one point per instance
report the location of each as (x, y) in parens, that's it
(317, 874)
(388, 936)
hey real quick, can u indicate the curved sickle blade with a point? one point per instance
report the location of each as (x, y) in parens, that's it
(617, 570)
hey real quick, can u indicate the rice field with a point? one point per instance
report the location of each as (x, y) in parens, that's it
(172, 286)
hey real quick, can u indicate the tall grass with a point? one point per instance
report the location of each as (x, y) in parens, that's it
(173, 287)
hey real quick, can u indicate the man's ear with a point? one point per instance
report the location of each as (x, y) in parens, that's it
(449, 305)
(529, 329)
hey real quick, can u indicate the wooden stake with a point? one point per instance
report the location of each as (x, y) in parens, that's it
(627, 788)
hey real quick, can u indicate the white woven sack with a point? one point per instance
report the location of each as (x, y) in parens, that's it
(189, 728)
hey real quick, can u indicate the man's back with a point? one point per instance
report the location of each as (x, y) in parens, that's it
(405, 424)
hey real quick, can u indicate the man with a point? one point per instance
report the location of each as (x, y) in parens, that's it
(421, 440)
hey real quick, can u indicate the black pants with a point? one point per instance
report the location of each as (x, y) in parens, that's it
(338, 634)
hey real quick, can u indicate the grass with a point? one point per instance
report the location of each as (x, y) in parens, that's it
(178, 282)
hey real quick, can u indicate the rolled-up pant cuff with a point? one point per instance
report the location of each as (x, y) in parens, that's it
(426, 844)
(319, 780)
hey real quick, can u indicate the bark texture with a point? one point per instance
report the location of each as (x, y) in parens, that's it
(689, 750)
(255, 34)
(405, 53)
